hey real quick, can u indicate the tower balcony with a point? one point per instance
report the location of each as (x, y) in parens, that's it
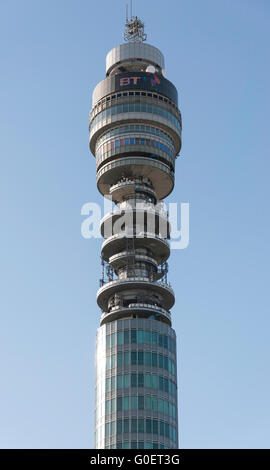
(124, 258)
(156, 245)
(135, 284)
(127, 187)
(142, 310)
(134, 166)
(142, 215)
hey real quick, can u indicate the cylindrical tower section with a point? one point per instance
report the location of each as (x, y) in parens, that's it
(135, 135)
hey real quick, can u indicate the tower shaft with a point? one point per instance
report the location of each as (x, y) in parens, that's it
(135, 135)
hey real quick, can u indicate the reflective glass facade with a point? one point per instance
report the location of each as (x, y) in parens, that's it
(135, 135)
(135, 108)
(136, 386)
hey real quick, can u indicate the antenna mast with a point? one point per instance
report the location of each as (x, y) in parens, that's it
(134, 28)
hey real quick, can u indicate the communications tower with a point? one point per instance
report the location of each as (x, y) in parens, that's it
(135, 136)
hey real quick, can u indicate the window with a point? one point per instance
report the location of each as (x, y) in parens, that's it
(140, 357)
(148, 359)
(154, 403)
(126, 381)
(113, 428)
(133, 380)
(160, 405)
(140, 380)
(147, 337)
(126, 336)
(113, 402)
(120, 337)
(126, 358)
(160, 361)
(166, 407)
(126, 425)
(113, 338)
(108, 341)
(148, 381)
(148, 402)
(113, 361)
(154, 381)
(134, 403)
(161, 428)
(154, 359)
(140, 426)
(126, 403)
(119, 359)
(155, 426)
(107, 407)
(119, 427)
(149, 426)
(140, 336)
(119, 403)
(133, 424)
(133, 357)
(141, 402)
(119, 381)
(108, 362)
(107, 429)
(166, 385)
(133, 336)
(165, 363)
(113, 382)
(154, 337)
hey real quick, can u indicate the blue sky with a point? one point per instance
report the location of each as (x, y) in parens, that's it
(52, 56)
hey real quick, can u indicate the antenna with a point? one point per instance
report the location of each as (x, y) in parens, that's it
(134, 28)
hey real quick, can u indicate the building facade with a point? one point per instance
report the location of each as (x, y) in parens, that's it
(135, 136)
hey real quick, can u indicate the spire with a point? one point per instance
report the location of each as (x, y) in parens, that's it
(134, 28)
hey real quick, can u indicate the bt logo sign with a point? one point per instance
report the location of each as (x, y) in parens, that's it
(154, 80)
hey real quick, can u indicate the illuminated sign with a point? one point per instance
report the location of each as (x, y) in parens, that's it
(136, 81)
(154, 80)
(145, 81)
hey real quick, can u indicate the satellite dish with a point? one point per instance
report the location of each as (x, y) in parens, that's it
(150, 69)
(164, 73)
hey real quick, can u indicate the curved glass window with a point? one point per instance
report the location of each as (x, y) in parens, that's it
(136, 128)
(139, 337)
(135, 107)
(139, 380)
(140, 358)
(108, 148)
(148, 425)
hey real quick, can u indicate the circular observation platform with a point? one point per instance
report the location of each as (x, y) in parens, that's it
(158, 220)
(138, 310)
(157, 246)
(124, 258)
(135, 284)
(160, 174)
(128, 188)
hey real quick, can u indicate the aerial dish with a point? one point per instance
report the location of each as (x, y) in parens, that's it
(150, 69)
(164, 73)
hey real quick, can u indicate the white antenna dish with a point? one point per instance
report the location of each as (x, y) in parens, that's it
(150, 69)
(164, 73)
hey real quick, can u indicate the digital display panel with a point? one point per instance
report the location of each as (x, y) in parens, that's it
(141, 81)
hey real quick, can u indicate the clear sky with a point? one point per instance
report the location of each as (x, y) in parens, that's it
(52, 55)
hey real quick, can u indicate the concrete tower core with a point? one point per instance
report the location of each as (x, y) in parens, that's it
(135, 135)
